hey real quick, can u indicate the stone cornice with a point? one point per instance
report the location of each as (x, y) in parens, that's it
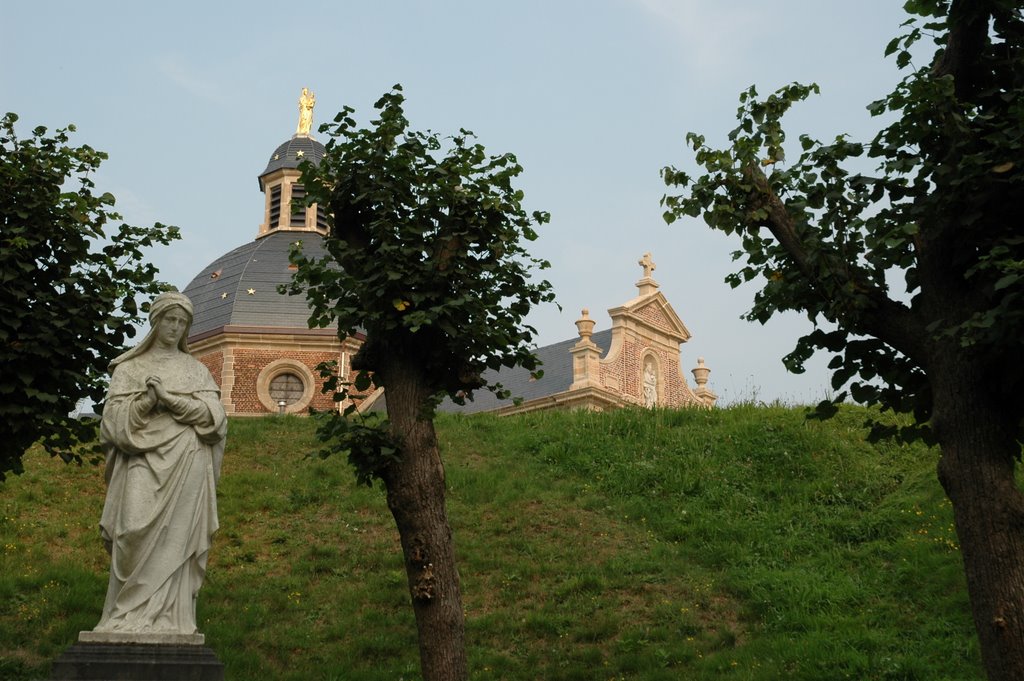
(593, 397)
(232, 329)
(676, 331)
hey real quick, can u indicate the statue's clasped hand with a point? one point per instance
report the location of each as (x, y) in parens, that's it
(156, 392)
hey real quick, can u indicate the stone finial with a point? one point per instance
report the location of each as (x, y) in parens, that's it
(702, 391)
(586, 356)
(700, 373)
(585, 325)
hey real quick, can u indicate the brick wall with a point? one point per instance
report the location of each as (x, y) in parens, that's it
(626, 369)
(676, 393)
(214, 361)
(654, 315)
(249, 364)
(622, 373)
(321, 401)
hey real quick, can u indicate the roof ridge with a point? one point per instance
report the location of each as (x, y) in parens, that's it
(248, 261)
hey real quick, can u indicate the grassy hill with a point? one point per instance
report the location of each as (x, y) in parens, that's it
(739, 543)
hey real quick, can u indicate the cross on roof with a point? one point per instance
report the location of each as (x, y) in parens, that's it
(647, 264)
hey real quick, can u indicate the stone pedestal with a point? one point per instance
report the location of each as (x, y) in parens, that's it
(97, 661)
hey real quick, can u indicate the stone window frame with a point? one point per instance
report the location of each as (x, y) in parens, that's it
(285, 365)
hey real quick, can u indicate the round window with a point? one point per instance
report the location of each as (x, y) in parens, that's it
(287, 388)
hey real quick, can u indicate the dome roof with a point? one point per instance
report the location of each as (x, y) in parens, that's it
(293, 152)
(240, 287)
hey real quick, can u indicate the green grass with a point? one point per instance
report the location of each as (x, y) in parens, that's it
(740, 543)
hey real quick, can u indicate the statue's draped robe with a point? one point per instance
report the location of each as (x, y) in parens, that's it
(161, 507)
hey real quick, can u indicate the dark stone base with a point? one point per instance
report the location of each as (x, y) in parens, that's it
(137, 662)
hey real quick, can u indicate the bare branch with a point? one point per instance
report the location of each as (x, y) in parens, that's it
(885, 318)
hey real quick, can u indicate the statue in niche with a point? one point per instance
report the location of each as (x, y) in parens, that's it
(163, 432)
(650, 384)
(307, 100)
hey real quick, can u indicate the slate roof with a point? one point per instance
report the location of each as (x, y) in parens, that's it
(220, 292)
(556, 361)
(287, 155)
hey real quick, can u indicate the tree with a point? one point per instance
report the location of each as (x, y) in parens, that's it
(67, 301)
(942, 210)
(424, 256)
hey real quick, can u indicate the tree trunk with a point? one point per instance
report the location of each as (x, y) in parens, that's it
(979, 450)
(416, 497)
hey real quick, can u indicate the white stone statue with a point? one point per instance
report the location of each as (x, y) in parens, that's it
(650, 385)
(163, 433)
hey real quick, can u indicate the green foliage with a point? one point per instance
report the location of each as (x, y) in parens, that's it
(67, 300)
(740, 543)
(364, 439)
(938, 219)
(424, 256)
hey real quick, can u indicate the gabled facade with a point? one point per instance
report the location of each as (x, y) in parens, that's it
(637, 362)
(642, 365)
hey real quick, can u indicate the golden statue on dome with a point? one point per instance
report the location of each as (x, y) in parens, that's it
(307, 100)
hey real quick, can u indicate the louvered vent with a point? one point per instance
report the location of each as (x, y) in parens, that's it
(275, 206)
(298, 217)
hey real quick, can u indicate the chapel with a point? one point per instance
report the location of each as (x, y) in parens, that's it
(259, 348)
(256, 341)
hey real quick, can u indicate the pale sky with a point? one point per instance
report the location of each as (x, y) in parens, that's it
(594, 97)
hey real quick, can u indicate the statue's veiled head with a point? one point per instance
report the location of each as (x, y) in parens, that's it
(167, 301)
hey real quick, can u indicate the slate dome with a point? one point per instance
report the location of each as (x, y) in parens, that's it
(240, 287)
(293, 152)
(256, 342)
